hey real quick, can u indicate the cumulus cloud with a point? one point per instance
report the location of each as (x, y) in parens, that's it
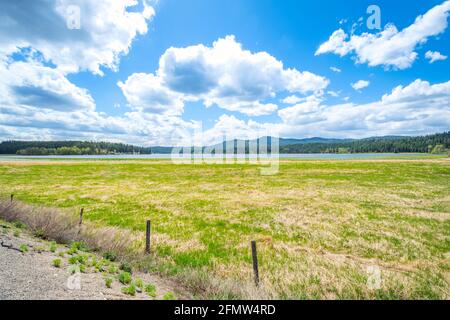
(434, 56)
(228, 127)
(417, 108)
(292, 99)
(146, 93)
(390, 47)
(360, 84)
(26, 122)
(106, 31)
(38, 101)
(302, 113)
(34, 85)
(225, 75)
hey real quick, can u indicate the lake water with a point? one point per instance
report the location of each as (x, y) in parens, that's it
(240, 156)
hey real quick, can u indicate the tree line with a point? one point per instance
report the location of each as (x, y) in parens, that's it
(69, 148)
(436, 143)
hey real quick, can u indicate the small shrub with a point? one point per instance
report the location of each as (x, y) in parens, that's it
(108, 282)
(126, 267)
(112, 269)
(130, 290)
(169, 296)
(73, 269)
(125, 277)
(139, 283)
(53, 247)
(78, 246)
(109, 255)
(39, 234)
(82, 259)
(57, 263)
(19, 225)
(16, 233)
(73, 260)
(98, 265)
(150, 289)
(23, 248)
(82, 268)
(61, 254)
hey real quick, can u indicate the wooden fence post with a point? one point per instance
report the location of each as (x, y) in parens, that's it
(147, 238)
(81, 217)
(255, 263)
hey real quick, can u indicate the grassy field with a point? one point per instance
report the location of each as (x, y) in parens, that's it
(320, 225)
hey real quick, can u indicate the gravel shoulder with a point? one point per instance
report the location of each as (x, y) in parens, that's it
(32, 276)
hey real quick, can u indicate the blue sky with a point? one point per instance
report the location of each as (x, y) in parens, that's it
(232, 65)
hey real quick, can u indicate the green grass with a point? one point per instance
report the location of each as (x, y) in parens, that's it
(318, 224)
(57, 263)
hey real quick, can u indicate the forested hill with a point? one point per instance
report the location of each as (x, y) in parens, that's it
(68, 148)
(436, 143)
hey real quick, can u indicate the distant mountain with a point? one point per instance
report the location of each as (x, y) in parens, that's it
(386, 138)
(161, 150)
(287, 142)
(431, 143)
(390, 144)
(282, 141)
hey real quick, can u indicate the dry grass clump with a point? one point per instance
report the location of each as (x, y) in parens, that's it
(207, 284)
(48, 223)
(63, 227)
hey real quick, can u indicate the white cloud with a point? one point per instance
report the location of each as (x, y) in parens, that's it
(33, 85)
(361, 84)
(434, 56)
(229, 127)
(334, 94)
(31, 123)
(225, 75)
(146, 93)
(390, 47)
(419, 93)
(303, 112)
(418, 108)
(292, 99)
(334, 69)
(38, 101)
(107, 30)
